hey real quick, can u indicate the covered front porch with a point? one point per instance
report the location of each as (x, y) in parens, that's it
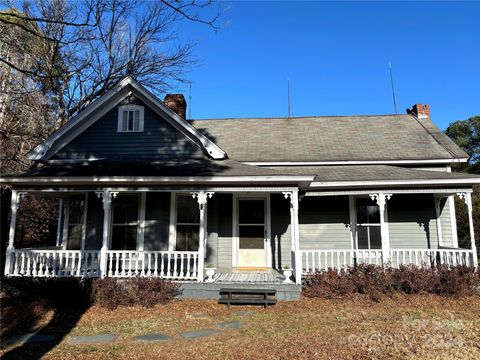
(179, 233)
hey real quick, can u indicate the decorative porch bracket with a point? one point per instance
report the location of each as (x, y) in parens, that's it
(381, 200)
(202, 198)
(106, 197)
(467, 198)
(297, 259)
(15, 202)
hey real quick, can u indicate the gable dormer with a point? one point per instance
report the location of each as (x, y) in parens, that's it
(127, 122)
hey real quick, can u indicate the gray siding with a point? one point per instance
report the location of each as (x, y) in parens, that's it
(446, 223)
(159, 140)
(157, 221)
(223, 218)
(324, 223)
(281, 231)
(412, 221)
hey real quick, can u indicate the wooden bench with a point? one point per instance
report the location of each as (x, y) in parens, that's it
(263, 297)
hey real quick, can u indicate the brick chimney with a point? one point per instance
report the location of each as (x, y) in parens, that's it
(177, 103)
(421, 111)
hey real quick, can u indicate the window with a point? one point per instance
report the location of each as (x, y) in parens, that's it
(130, 118)
(368, 223)
(76, 220)
(188, 223)
(125, 222)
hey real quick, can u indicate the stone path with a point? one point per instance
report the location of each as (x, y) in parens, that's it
(152, 337)
(33, 338)
(95, 339)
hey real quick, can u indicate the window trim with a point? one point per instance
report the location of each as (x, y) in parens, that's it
(140, 223)
(172, 239)
(129, 108)
(354, 222)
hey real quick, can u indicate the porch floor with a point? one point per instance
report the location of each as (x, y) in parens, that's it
(250, 277)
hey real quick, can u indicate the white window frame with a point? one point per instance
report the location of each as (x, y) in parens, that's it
(129, 108)
(172, 242)
(140, 223)
(357, 225)
(66, 223)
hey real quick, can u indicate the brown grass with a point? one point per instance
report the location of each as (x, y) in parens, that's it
(413, 326)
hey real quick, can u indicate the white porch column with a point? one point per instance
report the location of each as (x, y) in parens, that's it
(106, 199)
(16, 197)
(295, 232)
(467, 197)
(381, 199)
(202, 198)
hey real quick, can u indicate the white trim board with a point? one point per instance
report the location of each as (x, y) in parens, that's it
(357, 162)
(366, 183)
(89, 116)
(158, 179)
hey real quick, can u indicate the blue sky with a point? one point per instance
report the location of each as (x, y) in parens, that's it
(336, 55)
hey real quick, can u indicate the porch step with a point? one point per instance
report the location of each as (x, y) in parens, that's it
(250, 296)
(284, 292)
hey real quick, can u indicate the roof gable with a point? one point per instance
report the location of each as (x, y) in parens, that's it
(127, 87)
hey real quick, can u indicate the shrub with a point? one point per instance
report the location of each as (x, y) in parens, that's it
(59, 292)
(147, 292)
(376, 281)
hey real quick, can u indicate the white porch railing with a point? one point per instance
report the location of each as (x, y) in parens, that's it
(175, 265)
(55, 263)
(318, 260)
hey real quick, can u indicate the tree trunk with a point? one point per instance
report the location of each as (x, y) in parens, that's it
(5, 203)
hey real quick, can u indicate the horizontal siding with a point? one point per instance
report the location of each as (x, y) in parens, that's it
(224, 203)
(412, 221)
(159, 140)
(281, 231)
(324, 223)
(446, 223)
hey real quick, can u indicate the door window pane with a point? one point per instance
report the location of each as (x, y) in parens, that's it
(251, 212)
(251, 237)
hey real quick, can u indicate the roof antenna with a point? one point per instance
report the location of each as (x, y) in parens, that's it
(190, 103)
(393, 88)
(288, 95)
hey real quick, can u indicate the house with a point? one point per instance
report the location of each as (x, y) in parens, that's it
(142, 191)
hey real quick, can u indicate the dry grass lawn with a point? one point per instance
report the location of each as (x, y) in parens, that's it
(407, 327)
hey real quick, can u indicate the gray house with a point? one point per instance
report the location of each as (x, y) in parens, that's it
(142, 191)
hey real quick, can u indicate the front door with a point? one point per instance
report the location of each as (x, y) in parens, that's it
(252, 233)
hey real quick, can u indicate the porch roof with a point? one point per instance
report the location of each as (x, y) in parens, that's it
(368, 175)
(193, 170)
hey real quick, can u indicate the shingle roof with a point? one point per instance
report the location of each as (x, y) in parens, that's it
(138, 168)
(330, 138)
(372, 173)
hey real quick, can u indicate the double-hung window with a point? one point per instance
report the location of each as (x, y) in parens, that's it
(187, 224)
(130, 118)
(368, 224)
(125, 224)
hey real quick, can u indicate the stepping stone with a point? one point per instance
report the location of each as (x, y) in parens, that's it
(198, 333)
(231, 324)
(152, 337)
(245, 313)
(95, 339)
(30, 338)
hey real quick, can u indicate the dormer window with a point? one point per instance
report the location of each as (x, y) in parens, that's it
(130, 118)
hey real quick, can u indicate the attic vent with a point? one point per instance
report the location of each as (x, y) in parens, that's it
(130, 118)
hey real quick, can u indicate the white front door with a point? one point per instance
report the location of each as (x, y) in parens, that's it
(252, 232)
